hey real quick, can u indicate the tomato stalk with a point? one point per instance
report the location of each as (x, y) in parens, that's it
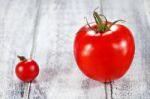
(102, 25)
(21, 58)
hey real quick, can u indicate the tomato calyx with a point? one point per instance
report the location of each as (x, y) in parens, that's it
(102, 25)
(22, 58)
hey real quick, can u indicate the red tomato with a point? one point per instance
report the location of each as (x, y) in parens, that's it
(104, 56)
(27, 70)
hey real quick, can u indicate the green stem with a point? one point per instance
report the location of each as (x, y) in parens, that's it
(98, 22)
(102, 25)
(89, 24)
(113, 23)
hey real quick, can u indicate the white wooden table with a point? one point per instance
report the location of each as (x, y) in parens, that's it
(49, 27)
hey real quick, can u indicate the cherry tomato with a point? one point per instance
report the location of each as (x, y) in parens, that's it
(104, 54)
(27, 70)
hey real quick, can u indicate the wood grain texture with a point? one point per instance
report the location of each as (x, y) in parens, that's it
(147, 9)
(135, 84)
(56, 22)
(17, 19)
(60, 77)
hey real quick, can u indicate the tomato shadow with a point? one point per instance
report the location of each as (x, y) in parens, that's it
(46, 75)
(90, 84)
(43, 82)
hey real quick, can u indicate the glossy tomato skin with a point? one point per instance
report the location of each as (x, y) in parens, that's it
(27, 70)
(104, 56)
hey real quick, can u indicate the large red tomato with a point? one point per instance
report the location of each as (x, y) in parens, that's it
(104, 54)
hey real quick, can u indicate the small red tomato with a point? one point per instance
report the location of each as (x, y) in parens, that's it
(104, 50)
(27, 70)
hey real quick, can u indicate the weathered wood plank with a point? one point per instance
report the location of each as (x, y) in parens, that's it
(147, 9)
(16, 32)
(135, 84)
(59, 20)
(59, 76)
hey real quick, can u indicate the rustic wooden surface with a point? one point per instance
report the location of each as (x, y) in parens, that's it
(49, 27)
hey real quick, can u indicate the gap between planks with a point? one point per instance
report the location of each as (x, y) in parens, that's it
(108, 86)
(27, 88)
